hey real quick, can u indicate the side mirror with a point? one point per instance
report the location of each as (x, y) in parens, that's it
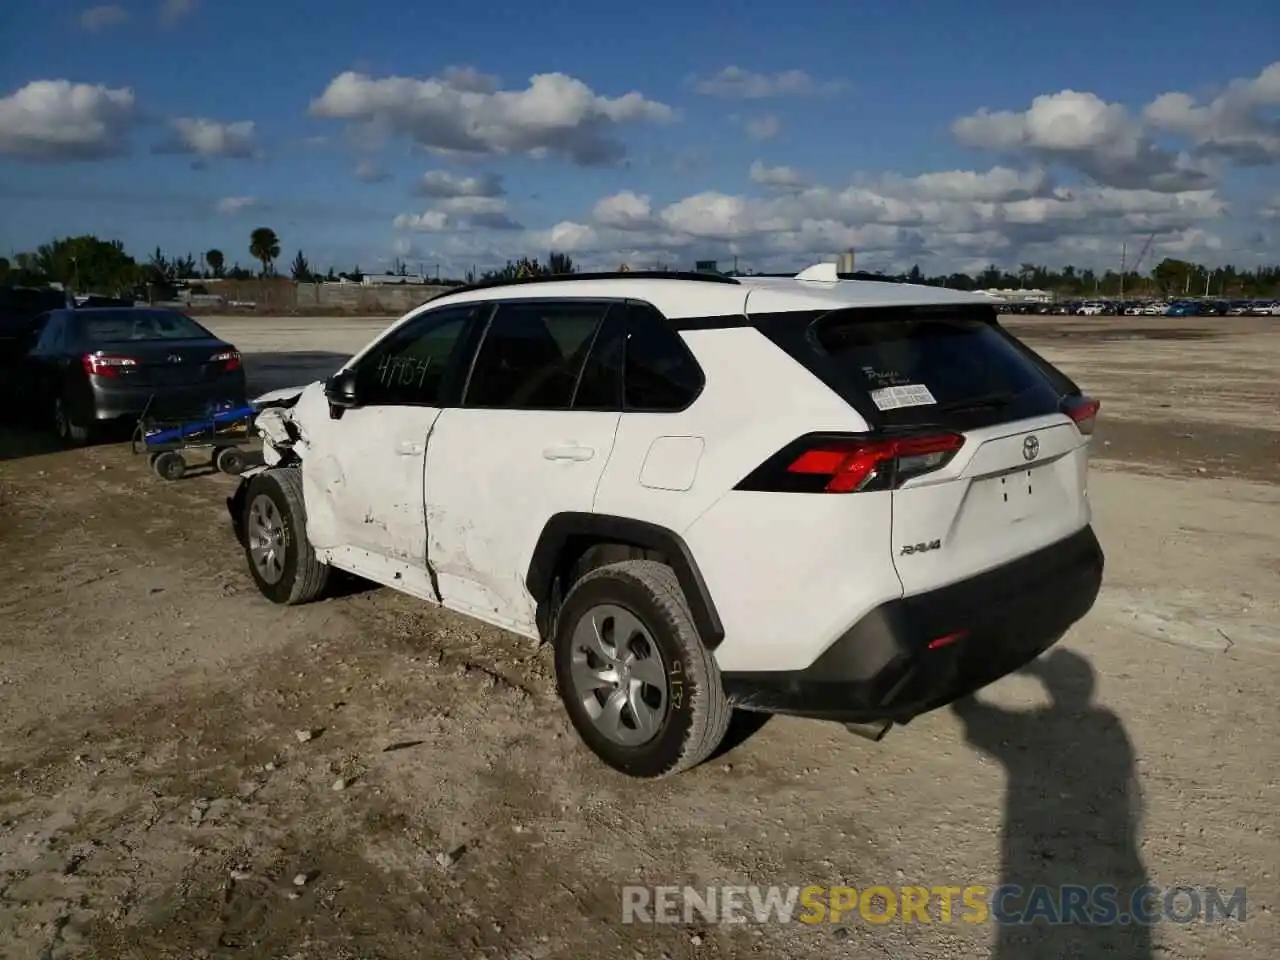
(341, 390)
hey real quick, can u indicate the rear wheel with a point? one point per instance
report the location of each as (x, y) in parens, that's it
(281, 559)
(229, 460)
(640, 688)
(69, 431)
(169, 465)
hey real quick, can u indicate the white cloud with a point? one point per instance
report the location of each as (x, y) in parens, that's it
(997, 185)
(431, 220)
(1238, 125)
(172, 11)
(211, 139)
(464, 112)
(623, 211)
(1102, 140)
(233, 205)
(461, 210)
(441, 183)
(763, 128)
(945, 221)
(102, 17)
(54, 120)
(738, 83)
(369, 172)
(779, 178)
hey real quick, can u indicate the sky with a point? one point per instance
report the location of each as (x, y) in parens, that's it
(454, 135)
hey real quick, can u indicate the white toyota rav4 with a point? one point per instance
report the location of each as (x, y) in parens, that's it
(807, 495)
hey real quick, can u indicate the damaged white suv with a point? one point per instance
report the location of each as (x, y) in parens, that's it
(808, 495)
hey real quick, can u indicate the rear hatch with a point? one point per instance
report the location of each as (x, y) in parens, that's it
(982, 442)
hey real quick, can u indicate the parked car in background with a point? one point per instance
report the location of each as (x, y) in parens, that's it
(19, 309)
(89, 367)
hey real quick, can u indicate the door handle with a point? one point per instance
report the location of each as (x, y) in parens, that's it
(568, 451)
(409, 448)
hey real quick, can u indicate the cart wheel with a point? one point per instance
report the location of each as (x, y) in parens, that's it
(169, 465)
(230, 460)
(151, 460)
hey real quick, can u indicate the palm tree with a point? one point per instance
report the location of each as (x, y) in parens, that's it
(216, 261)
(264, 246)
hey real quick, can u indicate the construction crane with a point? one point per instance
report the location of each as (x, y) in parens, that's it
(1123, 250)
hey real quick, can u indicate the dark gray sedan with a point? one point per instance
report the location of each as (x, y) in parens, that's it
(92, 366)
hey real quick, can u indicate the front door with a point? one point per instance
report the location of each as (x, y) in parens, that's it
(531, 439)
(364, 469)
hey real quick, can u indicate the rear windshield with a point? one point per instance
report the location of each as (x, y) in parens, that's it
(113, 326)
(915, 364)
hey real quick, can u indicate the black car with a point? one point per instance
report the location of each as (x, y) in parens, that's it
(92, 366)
(19, 308)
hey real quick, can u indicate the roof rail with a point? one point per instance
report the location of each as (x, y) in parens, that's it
(609, 275)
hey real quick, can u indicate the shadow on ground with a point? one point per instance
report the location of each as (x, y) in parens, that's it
(1071, 816)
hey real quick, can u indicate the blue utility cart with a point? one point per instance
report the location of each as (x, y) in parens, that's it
(221, 430)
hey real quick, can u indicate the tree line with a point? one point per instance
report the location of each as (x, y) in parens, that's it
(87, 264)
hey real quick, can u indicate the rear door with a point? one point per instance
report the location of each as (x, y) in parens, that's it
(536, 427)
(1017, 481)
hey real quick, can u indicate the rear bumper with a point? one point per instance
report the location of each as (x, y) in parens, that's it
(883, 668)
(114, 401)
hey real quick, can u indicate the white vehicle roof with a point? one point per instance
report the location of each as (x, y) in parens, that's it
(680, 298)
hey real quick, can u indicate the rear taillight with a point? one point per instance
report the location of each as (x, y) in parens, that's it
(1083, 411)
(106, 364)
(230, 359)
(849, 464)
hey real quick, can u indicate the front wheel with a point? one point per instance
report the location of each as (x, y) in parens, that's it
(642, 691)
(281, 559)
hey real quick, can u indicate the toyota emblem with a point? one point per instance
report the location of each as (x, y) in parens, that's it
(1030, 447)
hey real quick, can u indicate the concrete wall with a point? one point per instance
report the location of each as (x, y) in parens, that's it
(284, 296)
(357, 299)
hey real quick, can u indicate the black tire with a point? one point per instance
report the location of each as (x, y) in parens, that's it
(169, 465)
(230, 460)
(69, 432)
(696, 710)
(303, 577)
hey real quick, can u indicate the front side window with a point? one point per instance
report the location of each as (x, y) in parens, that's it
(417, 364)
(533, 353)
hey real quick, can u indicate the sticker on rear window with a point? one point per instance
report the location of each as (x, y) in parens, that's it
(906, 395)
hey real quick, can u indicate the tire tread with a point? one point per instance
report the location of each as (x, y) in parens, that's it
(710, 710)
(311, 576)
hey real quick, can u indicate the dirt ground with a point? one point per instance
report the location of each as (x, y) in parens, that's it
(156, 800)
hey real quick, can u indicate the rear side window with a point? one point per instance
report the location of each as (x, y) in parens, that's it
(48, 328)
(914, 364)
(533, 353)
(659, 372)
(600, 383)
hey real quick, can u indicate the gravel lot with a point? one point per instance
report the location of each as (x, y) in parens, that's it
(156, 801)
